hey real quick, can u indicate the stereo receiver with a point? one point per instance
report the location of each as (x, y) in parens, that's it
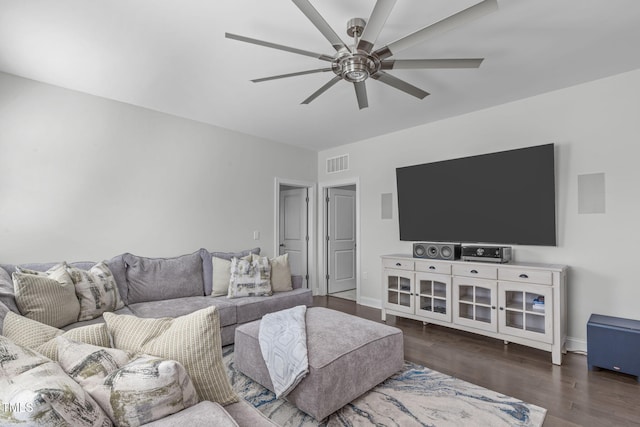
(499, 254)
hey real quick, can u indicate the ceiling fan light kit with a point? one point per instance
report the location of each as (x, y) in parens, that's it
(358, 62)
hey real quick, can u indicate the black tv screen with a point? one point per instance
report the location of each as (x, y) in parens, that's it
(504, 198)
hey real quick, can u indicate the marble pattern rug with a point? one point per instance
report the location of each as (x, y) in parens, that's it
(416, 396)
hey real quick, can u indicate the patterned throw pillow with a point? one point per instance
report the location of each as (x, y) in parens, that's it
(49, 298)
(41, 338)
(222, 275)
(96, 290)
(88, 364)
(193, 340)
(250, 278)
(35, 391)
(130, 392)
(280, 273)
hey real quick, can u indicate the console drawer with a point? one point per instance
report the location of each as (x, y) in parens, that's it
(481, 271)
(398, 264)
(433, 267)
(526, 276)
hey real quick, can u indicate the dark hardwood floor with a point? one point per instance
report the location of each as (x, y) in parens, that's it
(572, 395)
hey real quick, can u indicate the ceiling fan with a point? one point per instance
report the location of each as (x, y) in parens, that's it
(358, 62)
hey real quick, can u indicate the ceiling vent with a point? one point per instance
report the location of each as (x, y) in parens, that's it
(338, 164)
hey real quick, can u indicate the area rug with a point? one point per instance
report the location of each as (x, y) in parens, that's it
(415, 396)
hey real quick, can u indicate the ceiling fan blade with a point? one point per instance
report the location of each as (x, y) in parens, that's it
(319, 22)
(361, 94)
(408, 64)
(399, 84)
(322, 90)
(283, 76)
(381, 12)
(279, 47)
(440, 27)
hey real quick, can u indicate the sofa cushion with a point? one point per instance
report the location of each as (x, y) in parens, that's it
(207, 264)
(48, 297)
(40, 392)
(154, 279)
(131, 392)
(246, 415)
(193, 340)
(250, 277)
(253, 308)
(204, 414)
(96, 290)
(40, 337)
(181, 306)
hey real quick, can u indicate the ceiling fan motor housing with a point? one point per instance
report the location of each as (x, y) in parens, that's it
(355, 67)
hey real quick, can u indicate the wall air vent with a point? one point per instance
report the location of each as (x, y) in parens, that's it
(338, 164)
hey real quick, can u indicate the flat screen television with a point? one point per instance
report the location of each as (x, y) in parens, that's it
(506, 197)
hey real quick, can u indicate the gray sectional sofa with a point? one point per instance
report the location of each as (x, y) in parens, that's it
(172, 287)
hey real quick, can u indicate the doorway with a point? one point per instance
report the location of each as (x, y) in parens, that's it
(293, 225)
(340, 251)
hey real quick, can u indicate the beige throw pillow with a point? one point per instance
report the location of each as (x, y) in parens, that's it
(280, 273)
(27, 332)
(48, 297)
(42, 338)
(96, 290)
(193, 340)
(221, 276)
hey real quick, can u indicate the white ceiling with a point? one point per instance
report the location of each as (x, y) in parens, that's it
(172, 56)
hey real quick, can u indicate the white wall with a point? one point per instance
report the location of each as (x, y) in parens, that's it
(86, 178)
(596, 128)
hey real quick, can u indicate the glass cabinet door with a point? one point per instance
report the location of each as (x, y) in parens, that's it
(474, 303)
(399, 290)
(433, 296)
(526, 311)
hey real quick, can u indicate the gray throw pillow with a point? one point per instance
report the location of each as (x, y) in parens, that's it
(156, 279)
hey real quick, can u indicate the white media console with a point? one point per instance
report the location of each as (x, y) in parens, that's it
(523, 303)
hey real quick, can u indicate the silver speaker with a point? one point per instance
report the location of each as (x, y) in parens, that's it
(432, 250)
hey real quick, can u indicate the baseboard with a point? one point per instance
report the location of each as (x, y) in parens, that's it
(370, 302)
(576, 345)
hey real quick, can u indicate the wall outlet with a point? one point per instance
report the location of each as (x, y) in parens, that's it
(365, 275)
(256, 235)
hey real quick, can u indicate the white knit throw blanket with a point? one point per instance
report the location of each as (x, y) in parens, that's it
(283, 343)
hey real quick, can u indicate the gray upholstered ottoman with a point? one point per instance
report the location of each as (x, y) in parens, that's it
(347, 357)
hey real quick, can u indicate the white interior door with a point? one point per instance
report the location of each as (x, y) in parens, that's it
(293, 229)
(341, 241)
